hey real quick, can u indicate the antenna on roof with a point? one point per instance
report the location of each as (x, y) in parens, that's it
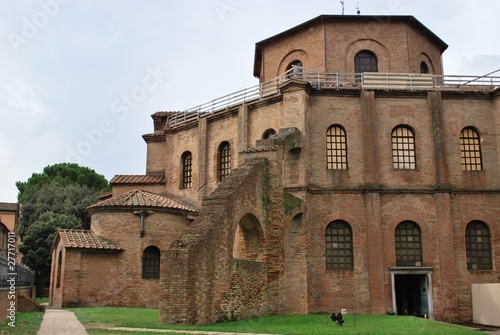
(357, 9)
(342, 2)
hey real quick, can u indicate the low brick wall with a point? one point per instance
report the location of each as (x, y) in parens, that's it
(8, 302)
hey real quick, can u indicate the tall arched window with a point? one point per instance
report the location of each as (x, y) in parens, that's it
(408, 244)
(296, 65)
(338, 248)
(4, 235)
(336, 148)
(478, 246)
(59, 269)
(403, 148)
(470, 149)
(186, 170)
(365, 61)
(224, 160)
(151, 263)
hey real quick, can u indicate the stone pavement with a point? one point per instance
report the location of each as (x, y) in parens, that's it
(61, 322)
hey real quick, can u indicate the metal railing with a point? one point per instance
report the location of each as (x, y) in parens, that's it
(24, 276)
(353, 81)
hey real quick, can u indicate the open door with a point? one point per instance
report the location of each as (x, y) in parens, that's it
(412, 292)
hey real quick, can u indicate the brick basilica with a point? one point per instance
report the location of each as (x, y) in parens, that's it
(356, 175)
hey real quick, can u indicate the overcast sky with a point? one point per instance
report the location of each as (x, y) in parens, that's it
(68, 66)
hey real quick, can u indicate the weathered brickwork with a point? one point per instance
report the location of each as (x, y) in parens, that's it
(256, 243)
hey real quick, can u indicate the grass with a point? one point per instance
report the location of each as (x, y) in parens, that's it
(26, 324)
(42, 300)
(278, 324)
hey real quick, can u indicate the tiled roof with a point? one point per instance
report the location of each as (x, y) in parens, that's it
(9, 206)
(165, 113)
(138, 179)
(139, 198)
(84, 239)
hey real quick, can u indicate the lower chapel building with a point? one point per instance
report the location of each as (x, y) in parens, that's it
(356, 175)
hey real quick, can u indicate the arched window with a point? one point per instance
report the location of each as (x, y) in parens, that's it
(470, 149)
(151, 263)
(224, 160)
(338, 248)
(186, 170)
(478, 246)
(268, 133)
(336, 148)
(294, 69)
(59, 269)
(408, 244)
(403, 148)
(365, 61)
(4, 235)
(424, 68)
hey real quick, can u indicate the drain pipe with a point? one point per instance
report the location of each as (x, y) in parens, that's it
(143, 214)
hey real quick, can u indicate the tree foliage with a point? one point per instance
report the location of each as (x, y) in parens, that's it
(63, 174)
(39, 237)
(71, 199)
(56, 198)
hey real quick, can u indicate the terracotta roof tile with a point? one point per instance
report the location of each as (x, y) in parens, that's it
(165, 113)
(139, 198)
(261, 149)
(84, 239)
(9, 206)
(138, 179)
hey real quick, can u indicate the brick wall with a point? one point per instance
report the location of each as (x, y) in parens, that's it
(20, 304)
(201, 281)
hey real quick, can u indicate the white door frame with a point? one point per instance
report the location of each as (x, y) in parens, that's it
(413, 271)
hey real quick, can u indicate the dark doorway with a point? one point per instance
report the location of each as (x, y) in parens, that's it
(411, 295)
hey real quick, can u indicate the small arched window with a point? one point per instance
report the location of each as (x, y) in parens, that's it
(408, 244)
(151, 263)
(478, 246)
(336, 148)
(186, 170)
(268, 133)
(365, 61)
(294, 70)
(338, 248)
(224, 160)
(424, 68)
(470, 149)
(403, 149)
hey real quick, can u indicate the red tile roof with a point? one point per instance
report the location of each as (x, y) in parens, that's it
(261, 149)
(84, 239)
(138, 179)
(140, 198)
(9, 206)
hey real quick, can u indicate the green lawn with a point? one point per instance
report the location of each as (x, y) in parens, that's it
(26, 324)
(42, 300)
(279, 324)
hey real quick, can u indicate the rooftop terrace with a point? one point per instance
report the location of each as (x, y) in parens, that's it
(410, 82)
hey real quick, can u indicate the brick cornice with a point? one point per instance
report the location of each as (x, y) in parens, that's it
(154, 138)
(384, 190)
